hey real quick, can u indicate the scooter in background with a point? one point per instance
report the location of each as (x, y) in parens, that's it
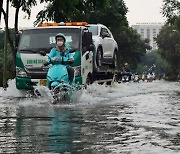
(126, 77)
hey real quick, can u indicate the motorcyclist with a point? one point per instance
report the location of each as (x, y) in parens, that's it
(62, 50)
(127, 70)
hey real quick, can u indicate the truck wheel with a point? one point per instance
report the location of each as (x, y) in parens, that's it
(99, 57)
(114, 64)
(89, 81)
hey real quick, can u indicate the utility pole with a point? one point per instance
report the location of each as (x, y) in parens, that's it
(5, 47)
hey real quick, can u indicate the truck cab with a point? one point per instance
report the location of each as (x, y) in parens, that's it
(29, 61)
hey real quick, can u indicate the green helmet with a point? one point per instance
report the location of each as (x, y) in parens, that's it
(61, 35)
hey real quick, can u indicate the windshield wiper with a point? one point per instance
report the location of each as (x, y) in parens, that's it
(30, 50)
(37, 50)
(48, 49)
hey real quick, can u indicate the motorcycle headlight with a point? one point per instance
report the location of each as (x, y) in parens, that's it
(20, 72)
(77, 71)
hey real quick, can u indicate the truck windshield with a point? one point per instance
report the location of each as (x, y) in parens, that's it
(35, 40)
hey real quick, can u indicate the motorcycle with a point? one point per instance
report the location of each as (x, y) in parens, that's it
(126, 77)
(57, 80)
(136, 78)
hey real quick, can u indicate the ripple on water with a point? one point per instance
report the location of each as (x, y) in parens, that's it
(125, 118)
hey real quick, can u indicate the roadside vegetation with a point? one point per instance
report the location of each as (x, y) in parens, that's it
(112, 13)
(168, 39)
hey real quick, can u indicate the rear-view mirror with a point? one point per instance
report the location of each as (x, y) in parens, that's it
(91, 47)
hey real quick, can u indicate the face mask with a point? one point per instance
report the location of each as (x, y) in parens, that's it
(60, 43)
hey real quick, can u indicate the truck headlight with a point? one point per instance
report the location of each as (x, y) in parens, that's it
(77, 71)
(20, 72)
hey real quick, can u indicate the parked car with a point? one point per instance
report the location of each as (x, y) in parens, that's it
(106, 47)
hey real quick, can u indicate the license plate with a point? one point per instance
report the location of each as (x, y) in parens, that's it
(43, 82)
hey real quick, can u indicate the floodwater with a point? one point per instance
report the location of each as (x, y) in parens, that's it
(126, 118)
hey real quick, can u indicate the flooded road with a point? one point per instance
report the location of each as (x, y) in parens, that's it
(130, 118)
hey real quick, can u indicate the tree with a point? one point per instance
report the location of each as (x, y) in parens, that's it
(131, 47)
(70, 10)
(26, 6)
(6, 25)
(155, 61)
(168, 41)
(9, 58)
(114, 16)
(171, 10)
(5, 48)
(108, 12)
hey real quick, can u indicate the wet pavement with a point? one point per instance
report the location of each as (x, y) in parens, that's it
(129, 118)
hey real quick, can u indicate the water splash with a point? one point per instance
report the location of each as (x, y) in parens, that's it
(11, 91)
(93, 94)
(99, 93)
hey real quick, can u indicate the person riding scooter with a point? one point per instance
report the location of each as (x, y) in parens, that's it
(61, 50)
(127, 71)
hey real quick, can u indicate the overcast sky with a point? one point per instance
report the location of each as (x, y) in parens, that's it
(139, 11)
(144, 11)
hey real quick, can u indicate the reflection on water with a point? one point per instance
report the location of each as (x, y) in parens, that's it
(129, 118)
(43, 129)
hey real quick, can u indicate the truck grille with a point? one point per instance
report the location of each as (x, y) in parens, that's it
(36, 72)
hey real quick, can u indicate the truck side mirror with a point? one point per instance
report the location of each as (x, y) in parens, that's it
(84, 49)
(17, 41)
(87, 42)
(91, 47)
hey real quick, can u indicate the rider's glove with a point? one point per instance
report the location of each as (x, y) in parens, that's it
(56, 59)
(45, 63)
(70, 60)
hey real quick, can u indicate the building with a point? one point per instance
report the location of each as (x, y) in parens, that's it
(148, 31)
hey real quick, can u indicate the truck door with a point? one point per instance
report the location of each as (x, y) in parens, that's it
(87, 55)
